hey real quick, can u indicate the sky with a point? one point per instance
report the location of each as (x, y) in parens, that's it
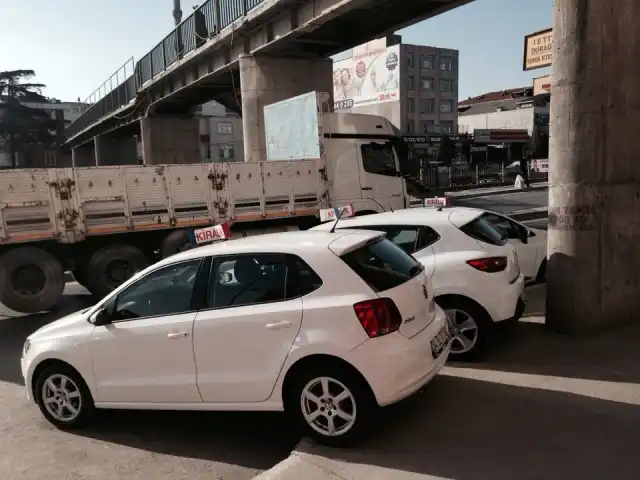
(75, 45)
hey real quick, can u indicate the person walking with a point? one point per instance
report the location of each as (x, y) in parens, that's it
(524, 170)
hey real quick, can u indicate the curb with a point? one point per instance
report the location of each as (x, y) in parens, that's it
(529, 214)
(479, 193)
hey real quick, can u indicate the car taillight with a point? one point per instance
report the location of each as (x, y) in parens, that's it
(489, 264)
(378, 317)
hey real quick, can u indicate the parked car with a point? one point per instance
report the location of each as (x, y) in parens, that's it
(326, 326)
(530, 244)
(474, 271)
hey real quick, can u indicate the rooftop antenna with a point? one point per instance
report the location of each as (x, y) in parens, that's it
(340, 212)
(177, 12)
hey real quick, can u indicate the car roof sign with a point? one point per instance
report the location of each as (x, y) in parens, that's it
(328, 214)
(436, 202)
(213, 233)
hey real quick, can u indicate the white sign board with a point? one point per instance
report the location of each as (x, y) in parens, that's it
(212, 233)
(291, 128)
(540, 165)
(436, 202)
(328, 214)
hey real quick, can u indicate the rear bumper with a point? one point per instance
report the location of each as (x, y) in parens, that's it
(396, 366)
(503, 304)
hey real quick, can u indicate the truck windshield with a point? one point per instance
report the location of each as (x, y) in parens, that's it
(379, 158)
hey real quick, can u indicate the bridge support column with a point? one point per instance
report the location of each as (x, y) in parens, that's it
(83, 155)
(593, 268)
(266, 80)
(170, 140)
(115, 150)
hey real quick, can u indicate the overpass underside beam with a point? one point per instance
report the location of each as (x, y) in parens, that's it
(265, 80)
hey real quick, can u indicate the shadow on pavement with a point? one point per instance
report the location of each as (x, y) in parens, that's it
(251, 440)
(529, 347)
(467, 429)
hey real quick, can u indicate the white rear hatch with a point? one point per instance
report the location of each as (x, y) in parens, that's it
(392, 273)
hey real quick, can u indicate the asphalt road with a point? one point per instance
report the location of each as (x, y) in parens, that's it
(126, 445)
(509, 202)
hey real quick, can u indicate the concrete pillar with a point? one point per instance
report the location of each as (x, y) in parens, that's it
(83, 155)
(170, 140)
(594, 195)
(266, 80)
(115, 150)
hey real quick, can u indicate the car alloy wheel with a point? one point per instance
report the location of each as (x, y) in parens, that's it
(464, 331)
(61, 397)
(328, 406)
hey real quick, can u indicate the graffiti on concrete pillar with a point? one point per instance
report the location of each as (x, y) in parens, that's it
(575, 218)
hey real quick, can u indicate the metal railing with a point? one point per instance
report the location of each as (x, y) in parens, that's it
(469, 175)
(204, 23)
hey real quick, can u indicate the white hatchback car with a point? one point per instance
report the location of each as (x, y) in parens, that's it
(474, 271)
(327, 326)
(530, 244)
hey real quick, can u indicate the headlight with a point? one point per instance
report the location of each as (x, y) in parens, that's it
(25, 347)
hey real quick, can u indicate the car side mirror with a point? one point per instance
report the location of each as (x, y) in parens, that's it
(523, 234)
(102, 317)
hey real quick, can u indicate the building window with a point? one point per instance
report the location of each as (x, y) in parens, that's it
(410, 60)
(446, 106)
(50, 158)
(428, 126)
(427, 83)
(411, 105)
(225, 128)
(447, 126)
(446, 64)
(410, 84)
(446, 85)
(410, 127)
(427, 62)
(226, 152)
(427, 105)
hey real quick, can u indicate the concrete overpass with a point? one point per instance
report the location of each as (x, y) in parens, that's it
(243, 54)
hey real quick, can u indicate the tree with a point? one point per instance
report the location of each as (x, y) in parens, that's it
(447, 150)
(21, 124)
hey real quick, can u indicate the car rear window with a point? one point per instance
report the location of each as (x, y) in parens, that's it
(382, 265)
(481, 229)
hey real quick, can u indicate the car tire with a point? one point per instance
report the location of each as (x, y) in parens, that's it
(308, 398)
(71, 406)
(31, 280)
(471, 327)
(103, 277)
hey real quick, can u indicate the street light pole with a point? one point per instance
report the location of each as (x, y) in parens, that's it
(177, 12)
(593, 271)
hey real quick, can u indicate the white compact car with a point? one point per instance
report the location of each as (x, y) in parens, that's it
(474, 271)
(530, 244)
(327, 326)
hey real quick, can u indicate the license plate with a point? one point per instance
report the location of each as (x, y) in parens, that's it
(440, 341)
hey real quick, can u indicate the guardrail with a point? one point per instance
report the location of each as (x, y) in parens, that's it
(204, 23)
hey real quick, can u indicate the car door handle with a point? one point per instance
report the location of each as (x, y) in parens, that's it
(278, 325)
(177, 335)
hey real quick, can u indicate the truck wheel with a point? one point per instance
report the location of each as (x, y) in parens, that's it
(177, 241)
(31, 280)
(110, 266)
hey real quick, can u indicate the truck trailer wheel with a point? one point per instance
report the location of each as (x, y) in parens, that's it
(31, 280)
(111, 266)
(177, 241)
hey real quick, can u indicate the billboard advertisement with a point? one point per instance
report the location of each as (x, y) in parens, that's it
(368, 77)
(538, 50)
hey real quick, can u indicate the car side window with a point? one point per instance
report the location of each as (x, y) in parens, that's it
(301, 279)
(247, 279)
(504, 225)
(409, 238)
(166, 291)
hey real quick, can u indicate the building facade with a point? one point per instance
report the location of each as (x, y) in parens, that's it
(514, 109)
(413, 86)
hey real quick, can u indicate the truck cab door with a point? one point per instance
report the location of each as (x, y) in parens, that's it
(380, 177)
